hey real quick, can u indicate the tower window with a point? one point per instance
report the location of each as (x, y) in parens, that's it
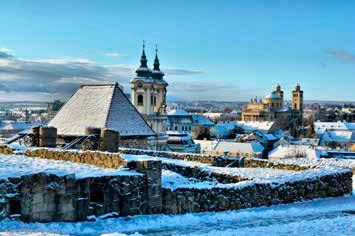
(155, 101)
(140, 100)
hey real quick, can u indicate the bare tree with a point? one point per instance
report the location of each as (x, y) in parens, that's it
(199, 132)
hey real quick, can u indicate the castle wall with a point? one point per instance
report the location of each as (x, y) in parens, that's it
(46, 197)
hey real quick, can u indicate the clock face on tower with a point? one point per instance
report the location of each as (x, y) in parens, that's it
(140, 85)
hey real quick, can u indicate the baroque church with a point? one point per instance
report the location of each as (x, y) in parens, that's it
(148, 95)
(272, 107)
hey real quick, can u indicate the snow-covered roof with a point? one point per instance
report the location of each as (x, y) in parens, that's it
(292, 151)
(207, 145)
(201, 120)
(219, 131)
(178, 112)
(101, 106)
(320, 127)
(270, 137)
(252, 147)
(305, 141)
(249, 126)
(228, 125)
(338, 136)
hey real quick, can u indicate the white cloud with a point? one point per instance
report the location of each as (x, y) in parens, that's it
(343, 55)
(112, 54)
(6, 53)
(56, 78)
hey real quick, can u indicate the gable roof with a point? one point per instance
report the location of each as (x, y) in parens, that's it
(201, 120)
(291, 151)
(252, 147)
(249, 126)
(338, 136)
(321, 127)
(101, 106)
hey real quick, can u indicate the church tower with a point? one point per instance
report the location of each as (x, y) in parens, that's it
(280, 93)
(148, 95)
(297, 98)
(148, 88)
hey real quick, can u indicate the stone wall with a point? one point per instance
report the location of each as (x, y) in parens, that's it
(185, 200)
(203, 175)
(152, 170)
(172, 155)
(101, 159)
(44, 197)
(259, 163)
(139, 143)
(4, 149)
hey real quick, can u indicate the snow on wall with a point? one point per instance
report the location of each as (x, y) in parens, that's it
(18, 165)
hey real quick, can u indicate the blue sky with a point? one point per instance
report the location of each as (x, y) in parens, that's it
(210, 50)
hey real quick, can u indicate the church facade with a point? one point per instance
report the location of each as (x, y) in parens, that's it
(272, 107)
(148, 95)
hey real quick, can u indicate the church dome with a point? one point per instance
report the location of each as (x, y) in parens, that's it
(178, 112)
(273, 95)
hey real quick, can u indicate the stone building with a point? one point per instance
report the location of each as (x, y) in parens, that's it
(148, 95)
(102, 106)
(180, 120)
(273, 108)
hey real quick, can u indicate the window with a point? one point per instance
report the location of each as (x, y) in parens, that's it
(14, 207)
(96, 196)
(155, 101)
(140, 100)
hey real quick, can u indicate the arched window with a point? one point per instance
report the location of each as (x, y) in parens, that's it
(140, 100)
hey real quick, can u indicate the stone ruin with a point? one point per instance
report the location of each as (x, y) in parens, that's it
(94, 139)
(46, 197)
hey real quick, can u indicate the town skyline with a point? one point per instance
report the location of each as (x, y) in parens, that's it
(232, 56)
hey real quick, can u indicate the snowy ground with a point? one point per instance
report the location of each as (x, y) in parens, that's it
(331, 216)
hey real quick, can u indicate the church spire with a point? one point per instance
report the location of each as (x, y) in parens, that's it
(143, 70)
(157, 73)
(156, 60)
(143, 57)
